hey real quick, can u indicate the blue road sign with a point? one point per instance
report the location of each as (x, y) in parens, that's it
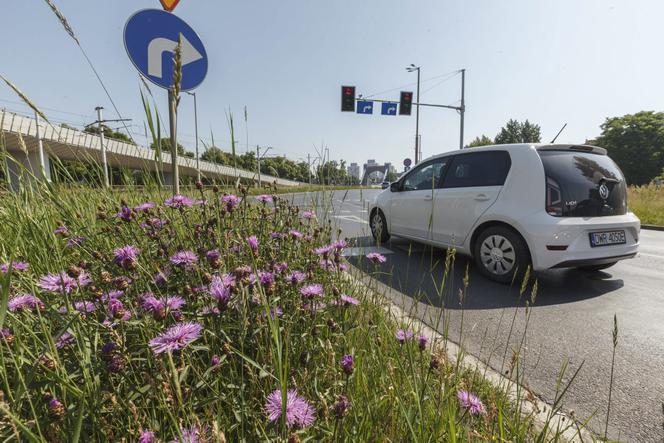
(151, 36)
(389, 109)
(365, 107)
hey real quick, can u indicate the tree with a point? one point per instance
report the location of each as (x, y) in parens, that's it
(109, 133)
(480, 141)
(166, 147)
(636, 143)
(216, 155)
(516, 132)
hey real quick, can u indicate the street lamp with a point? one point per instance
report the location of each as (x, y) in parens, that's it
(198, 164)
(413, 68)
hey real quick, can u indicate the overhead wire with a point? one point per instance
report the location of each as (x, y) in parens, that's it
(450, 74)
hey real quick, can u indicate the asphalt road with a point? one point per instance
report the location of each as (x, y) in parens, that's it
(570, 321)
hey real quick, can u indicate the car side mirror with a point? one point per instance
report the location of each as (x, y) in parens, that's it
(395, 187)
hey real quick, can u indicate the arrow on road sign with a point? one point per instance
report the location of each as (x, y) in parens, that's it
(365, 107)
(160, 45)
(389, 109)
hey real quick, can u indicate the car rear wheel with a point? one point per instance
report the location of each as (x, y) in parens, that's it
(593, 268)
(501, 254)
(379, 227)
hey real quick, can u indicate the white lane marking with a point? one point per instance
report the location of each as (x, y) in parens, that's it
(364, 250)
(353, 218)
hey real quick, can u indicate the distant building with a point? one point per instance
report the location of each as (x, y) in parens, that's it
(354, 170)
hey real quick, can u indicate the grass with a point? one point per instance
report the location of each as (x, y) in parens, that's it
(105, 383)
(647, 202)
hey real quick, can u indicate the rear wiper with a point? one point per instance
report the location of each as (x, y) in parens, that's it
(609, 180)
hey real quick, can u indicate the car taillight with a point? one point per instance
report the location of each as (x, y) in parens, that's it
(554, 198)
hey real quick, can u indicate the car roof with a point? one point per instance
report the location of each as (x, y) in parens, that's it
(516, 147)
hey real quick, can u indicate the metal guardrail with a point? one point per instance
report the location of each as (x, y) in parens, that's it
(27, 127)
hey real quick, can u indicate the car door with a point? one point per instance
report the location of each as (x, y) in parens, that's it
(412, 204)
(470, 186)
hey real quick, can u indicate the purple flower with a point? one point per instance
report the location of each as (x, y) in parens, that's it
(277, 235)
(184, 259)
(323, 250)
(152, 304)
(144, 207)
(25, 302)
(176, 337)
(266, 278)
(274, 311)
(147, 437)
(299, 413)
(124, 214)
(376, 257)
(470, 402)
(341, 406)
(192, 435)
(231, 201)
(264, 198)
(179, 202)
(309, 215)
(348, 300)
(402, 335)
(347, 364)
(126, 256)
(65, 340)
(62, 230)
(161, 277)
(296, 277)
(111, 295)
(311, 291)
(76, 241)
(215, 361)
(17, 266)
(327, 265)
(84, 306)
(220, 292)
(253, 243)
(280, 268)
(116, 309)
(295, 234)
(213, 256)
(62, 283)
(339, 244)
(422, 341)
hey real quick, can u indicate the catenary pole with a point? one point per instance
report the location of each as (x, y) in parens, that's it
(462, 111)
(104, 161)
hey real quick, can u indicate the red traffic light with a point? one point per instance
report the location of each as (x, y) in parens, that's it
(348, 98)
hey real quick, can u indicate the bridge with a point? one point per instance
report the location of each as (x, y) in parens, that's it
(22, 135)
(373, 169)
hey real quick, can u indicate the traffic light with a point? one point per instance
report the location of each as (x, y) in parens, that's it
(348, 99)
(406, 103)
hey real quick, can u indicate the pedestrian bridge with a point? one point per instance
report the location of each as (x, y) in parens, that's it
(22, 142)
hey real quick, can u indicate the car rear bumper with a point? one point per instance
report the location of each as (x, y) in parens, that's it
(565, 242)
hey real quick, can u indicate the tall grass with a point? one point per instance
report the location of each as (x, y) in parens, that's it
(398, 391)
(647, 202)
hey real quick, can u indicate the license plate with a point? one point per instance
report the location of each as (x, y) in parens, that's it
(607, 238)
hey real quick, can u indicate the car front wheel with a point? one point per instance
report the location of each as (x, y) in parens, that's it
(379, 227)
(501, 254)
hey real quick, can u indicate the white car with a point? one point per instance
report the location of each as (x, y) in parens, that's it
(514, 206)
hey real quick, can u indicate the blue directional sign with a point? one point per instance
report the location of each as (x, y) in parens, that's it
(389, 109)
(151, 36)
(365, 107)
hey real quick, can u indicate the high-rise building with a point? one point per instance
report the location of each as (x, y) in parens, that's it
(354, 170)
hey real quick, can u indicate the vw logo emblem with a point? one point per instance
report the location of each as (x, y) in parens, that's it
(603, 191)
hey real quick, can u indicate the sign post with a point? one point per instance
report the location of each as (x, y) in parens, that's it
(151, 37)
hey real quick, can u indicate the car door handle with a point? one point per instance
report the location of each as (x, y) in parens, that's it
(481, 197)
(428, 197)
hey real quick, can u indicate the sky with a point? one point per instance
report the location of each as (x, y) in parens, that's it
(551, 62)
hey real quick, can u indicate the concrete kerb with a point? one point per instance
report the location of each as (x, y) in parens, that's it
(399, 305)
(652, 227)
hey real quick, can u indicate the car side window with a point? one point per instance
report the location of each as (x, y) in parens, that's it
(426, 176)
(478, 169)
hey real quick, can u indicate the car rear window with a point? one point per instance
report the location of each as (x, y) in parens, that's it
(478, 169)
(581, 184)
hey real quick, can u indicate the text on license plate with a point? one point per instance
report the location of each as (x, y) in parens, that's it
(607, 238)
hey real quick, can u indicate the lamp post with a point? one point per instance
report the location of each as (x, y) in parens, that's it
(413, 68)
(198, 161)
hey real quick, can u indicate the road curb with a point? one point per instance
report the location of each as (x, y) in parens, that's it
(652, 227)
(399, 305)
